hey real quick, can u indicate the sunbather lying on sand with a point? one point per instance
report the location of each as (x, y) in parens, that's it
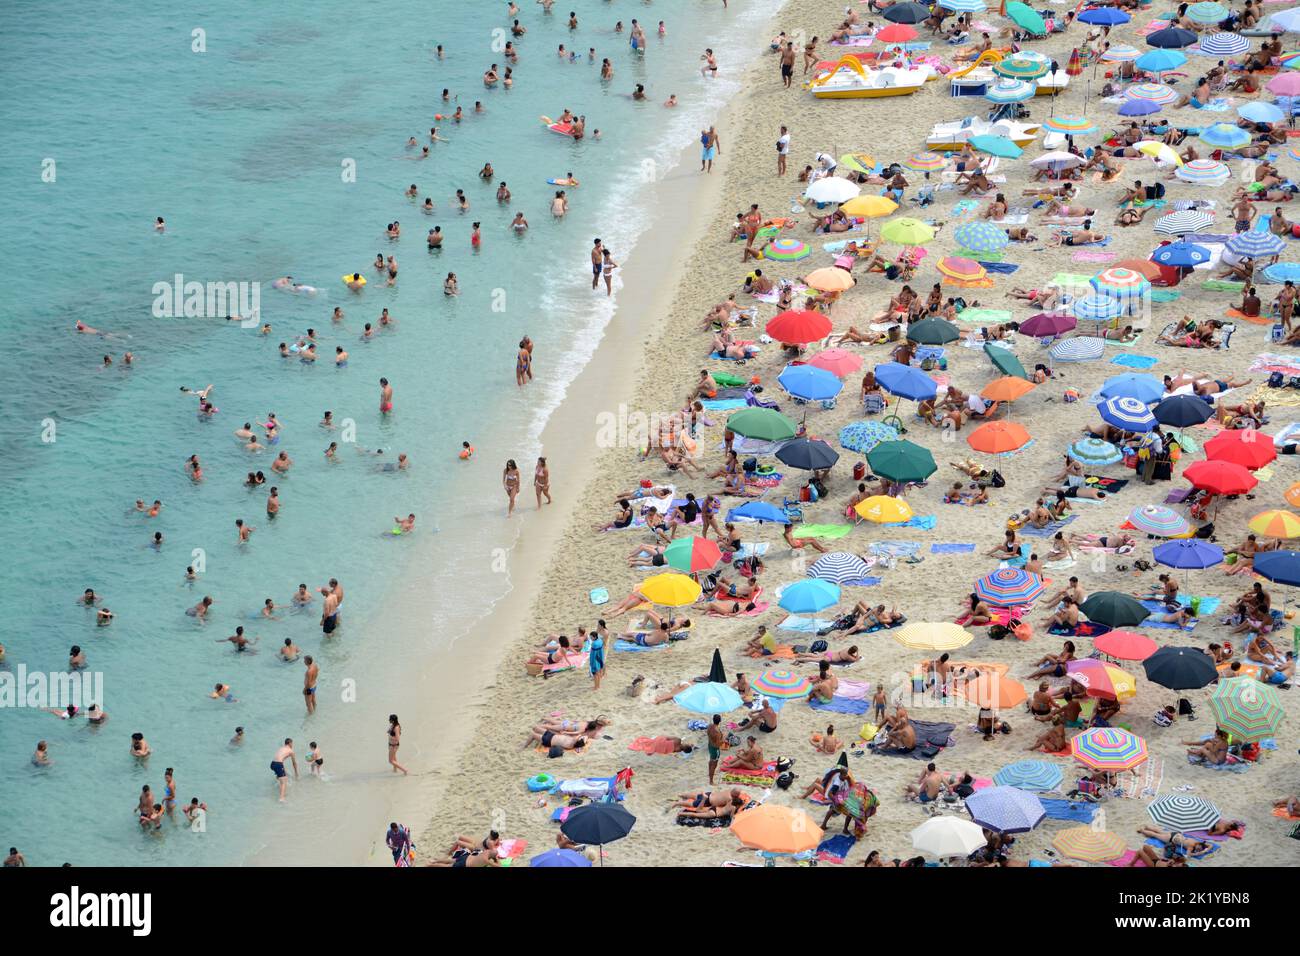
(711, 799)
(849, 656)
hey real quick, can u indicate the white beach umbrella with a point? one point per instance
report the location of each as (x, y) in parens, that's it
(1058, 157)
(948, 836)
(832, 189)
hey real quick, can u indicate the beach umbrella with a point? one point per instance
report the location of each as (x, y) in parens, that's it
(926, 162)
(1010, 587)
(799, 326)
(1284, 84)
(1207, 12)
(907, 232)
(1009, 91)
(1048, 325)
(1244, 446)
(1029, 775)
(713, 696)
(1138, 108)
(1121, 53)
(1247, 709)
(1089, 845)
(961, 269)
(896, 33)
(1058, 159)
(932, 636)
(1202, 172)
(1159, 521)
(1292, 495)
(907, 13)
(1095, 452)
(558, 858)
(1275, 524)
(1114, 609)
(1080, 348)
(1171, 38)
(902, 461)
(829, 279)
(1280, 567)
(1184, 222)
(858, 162)
(1252, 244)
(1101, 679)
(1182, 411)
(1096, 308)
(947, 836)
(1160, 61)
(773, 828)
(1108, 748)
(1182, 254)
(884, 509)
(933, 331)
(981, 236)
(1282, 271)
(1104, 17)
(1074, 66)
(786, 249)
(1145, 388)
(807, 454)
(1008, 388)
(809, 382)
(864, 436)
(598, 823)
(761, 424)
(810, 595)
(1156, 93)
(1125, 645)
(1220, 477)
(1224, 136)
(1022, 66)
(759, 511)
(832, 189)
(1023, 16)
(1127, 413)
(1005, 809)
(783, 685)
(996, 145)
(1070, 125)
(994, 691)
(1188, 554)
(1222, 44)
(1180, 668)
(998, 438)
(692, 554)
(670, 589)
(963, 6)
(1285, 21)
(1004, 360)
(1160, 152)
(1179, 812)
(839, 567)
(905, 381)
(869, 207)
(1258, 112)
(839, 362)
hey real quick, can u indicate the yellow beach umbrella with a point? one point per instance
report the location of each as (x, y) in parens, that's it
(883, 509)
(1122, 682)
(858, 162)
(776, 829)
(670, 590)
(1089, 845)
(1276, 524)
(1161, 152)
(829, 279)
(907, 232)
(937, 636)
(871, 207)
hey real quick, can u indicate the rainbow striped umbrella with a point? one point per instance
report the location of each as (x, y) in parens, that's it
(981, 236)
(1247, 709)
(1121, 284)
(783, 685)
(1020, 67)
(1095, 452)
(1009, 587)
(1121, 53)
(1207, 12)
(1029, 775)
(1074, 66)
(692, 554)
(1156, 93)
(1009, 91)
(1204, 172)
(786, 249)
(1222, 44)
(1070, 124)
(1108, 748)
(927, 162)
(1089, 845)
(1158, 520)
(1179, 812)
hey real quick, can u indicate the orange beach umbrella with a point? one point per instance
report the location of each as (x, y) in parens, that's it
(998, 438)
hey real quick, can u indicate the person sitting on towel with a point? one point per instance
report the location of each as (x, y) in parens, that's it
(1213, 751)
(749, 757)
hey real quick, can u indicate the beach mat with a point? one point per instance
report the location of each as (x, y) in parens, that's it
(928, 734)
(841, 705)
(1075, 811)
(835, 849)
(1029, 531)
(828, 531)
(954, 548)
(1129, 360)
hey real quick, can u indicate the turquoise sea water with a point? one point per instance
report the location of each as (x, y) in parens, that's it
(242, 149)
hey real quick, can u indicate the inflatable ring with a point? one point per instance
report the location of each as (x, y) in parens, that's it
(543, 781)
(359, 279)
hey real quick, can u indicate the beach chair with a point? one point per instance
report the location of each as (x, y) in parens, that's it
(793, 509)
(1226, 331)
(873, 403)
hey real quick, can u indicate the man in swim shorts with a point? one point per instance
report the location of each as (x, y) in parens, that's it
(277, 765)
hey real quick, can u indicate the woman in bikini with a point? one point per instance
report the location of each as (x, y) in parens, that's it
(1054, 665)
(510, 481)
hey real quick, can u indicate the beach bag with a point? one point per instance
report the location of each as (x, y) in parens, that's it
(997, 480)
(783, 781)
(1185, 707)
(1205, 532)
(1023, 630)
(749, 466)
(819, 647)
(1275, 380)
(784, 764)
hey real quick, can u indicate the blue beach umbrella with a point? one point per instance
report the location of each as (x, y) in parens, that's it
(905, 381)
(1171, 38)
(1145, 388)
(1182, 254)
(1183, 411)
(1104, 17)
(707, 697)
(1280, 567)
(1252, 244)
(1080, 348)
(907, 13)
(1005, 809)
(864, 436)
(809, 382)
(1096, 308)
(1138, 108)
(1128, 414)
(1222, 44)
(1258, 112)
(1095, 452)
(559, 858)
(1282, 271)
(758, 511)
(995, 146)
(1159, 61)
(981, 236)
(1029, 775)
(1188, 554)
(810, 596)
(1225, 136)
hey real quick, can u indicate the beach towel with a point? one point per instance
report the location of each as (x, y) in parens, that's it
(894, 549)
(1126, 860)
(1165, 295)
(1063, 564)
(753, 778)
(828, 531)
(1237, 834)
(757, 609)
(924, 522)
(1152, 841)
(1084, 255)
(574, 661)
(982, 316)
(723, 404)
(1075, 811)
(998, 268)
(1238, 766)
(841, 705)
(1071, 280)
(1082, 629)
(952, 548)
(854, 689)
(1222, 285)
(1103, 483)
(1158, 607)
(835, 849)
(1030, 531)
(963, 207)
(1130, 360)
(1011, 218)
(652, 745)
(622, 645)
(928, 734)
(1281, 813)
(805, 625)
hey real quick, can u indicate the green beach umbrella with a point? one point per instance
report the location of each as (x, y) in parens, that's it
(692, 554)
(902, 461)
(995, 146)
(933, 331)
(907, 232)
(1024, 17)
(1005, 361)
(1021, 68)
(1247, 709)
(762, 424)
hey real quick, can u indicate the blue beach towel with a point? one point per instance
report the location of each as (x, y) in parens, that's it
(842, 705)
(1076, 811)
(622, 645)
(805, 625)
(1031, 532)
(999, 268)
(837, 846)
(924, 522)
(1134, 361)
(723, 404)
(952, 549)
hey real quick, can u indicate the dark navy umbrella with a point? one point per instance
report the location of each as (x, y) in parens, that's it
(1180, 668)
(906, 12)
(1114, 609)
(1182, 411)
(597, 823)
(807, 454)
(1280, 567)
(1171, 38)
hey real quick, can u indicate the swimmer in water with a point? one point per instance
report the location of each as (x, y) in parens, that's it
(404, 525)
(519, 224)
(560, 204)
(450, 285)
(289, 652)
(434, 239)
(671, 101)
(159, 225)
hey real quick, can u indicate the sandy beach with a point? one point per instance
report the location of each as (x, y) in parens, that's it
(486, 789)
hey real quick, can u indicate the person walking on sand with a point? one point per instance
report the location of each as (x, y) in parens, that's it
(394, 742)
(510, 481)
(782, 150)
(542, 482)
(711, 148)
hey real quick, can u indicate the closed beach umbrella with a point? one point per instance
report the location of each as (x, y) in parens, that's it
(1009, 587)
(809, 382)
(839, 567)
(995, 146)
(1180, 668)
(1114, 609)
(1079, 348)
(1160, 61)
(1023, 16)
(1241, 446)
(947, 836)
(1220, 477)
(1145, 388)
(1156, 93)
(870, 207)
(1029, 775)
(994, 691)
(558, 858)
(1222, 44)
(1125, 645)
(1104, 16)
(773, 828)
(1182, 253)
(1127, 413)
(799, 326)
(832, 189)
(1102, 680)
(1108, 748)
(1258, 112)
(1184, 222)
(907, 13)
(829, 279)
(1095, 452)
(839, 362)
(926, 162)
(1158, 520)
(786, 249)
(1048, 325)
(932, 331)
(902, 461)
(670, 589)
(1276, 524)
(783, 685)
(1188, 554)
(1207, 12)
(1182, 411)
(1070, 124)
(884, 509)
(598, 823)
(809, 596)
(1009, 91)
(1171, 38)
(1225, 136)
(932, 636)
(692, 554)
(1203, 172)
(1008, 388)
(998, 438)
(905, 381)
(761, 424)
(981, 236)
(1252, 244)
(1246, 709)
(1089, 845)
(864, 436)
(1005, 809)
(1280, 567)
(807, 454)
(1179, 812)
(907, 232)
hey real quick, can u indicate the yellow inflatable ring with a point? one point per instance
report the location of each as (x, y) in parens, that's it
(352, 277)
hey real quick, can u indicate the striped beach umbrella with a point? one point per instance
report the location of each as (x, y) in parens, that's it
(1010, 587)
(1221, 44)
(692, 554)
(1247, 709)
(981, 236)
(1179, 812)
(864, 436)
(1096, 308)
(1074, 66)
(1128, 414)
(783, 685)
(964, 6)
(839, 567)
(927, 162)
(1021, 67)
(1108, 748)
(1159, 521)
(1224, 136)
(1276, 524)
(965, 270)
(1289, 60)
(1125, 645)
(884, 509)
(1079, 348)
(1095, 452)
(786, 249)
(1070, 125)
(1184, 222)
(1204, 172)
(1029, 775)
(1102, 679)
(1252, 244)
(1121, 53)
(1005, 809)
(1241, 446)
(1089, 845)
(932, 636)
(1207, 12)
(1156, 93)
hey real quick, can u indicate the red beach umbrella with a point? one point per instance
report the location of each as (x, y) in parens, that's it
(1245, 447)
(1220, 477)
(896, 33)
(799, 327)
(1126, 645)
(1074, 66)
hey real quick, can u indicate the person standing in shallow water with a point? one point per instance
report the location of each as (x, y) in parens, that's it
(542, 482)
(510, 481)
(394, 743)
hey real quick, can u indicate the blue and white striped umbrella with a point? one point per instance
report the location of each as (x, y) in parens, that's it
(1258, 112)
(1225, 136)
(1095, 452)
(839, 567)
(981, 235)
(1009, 91)
(1029, 775)
(1204, 172)
(1005, 809)
(1080, 348)
(1252, 244)
(1096, 308)
(1128, 414)
(1183, 223)
(1221, 44)
(964, 6)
